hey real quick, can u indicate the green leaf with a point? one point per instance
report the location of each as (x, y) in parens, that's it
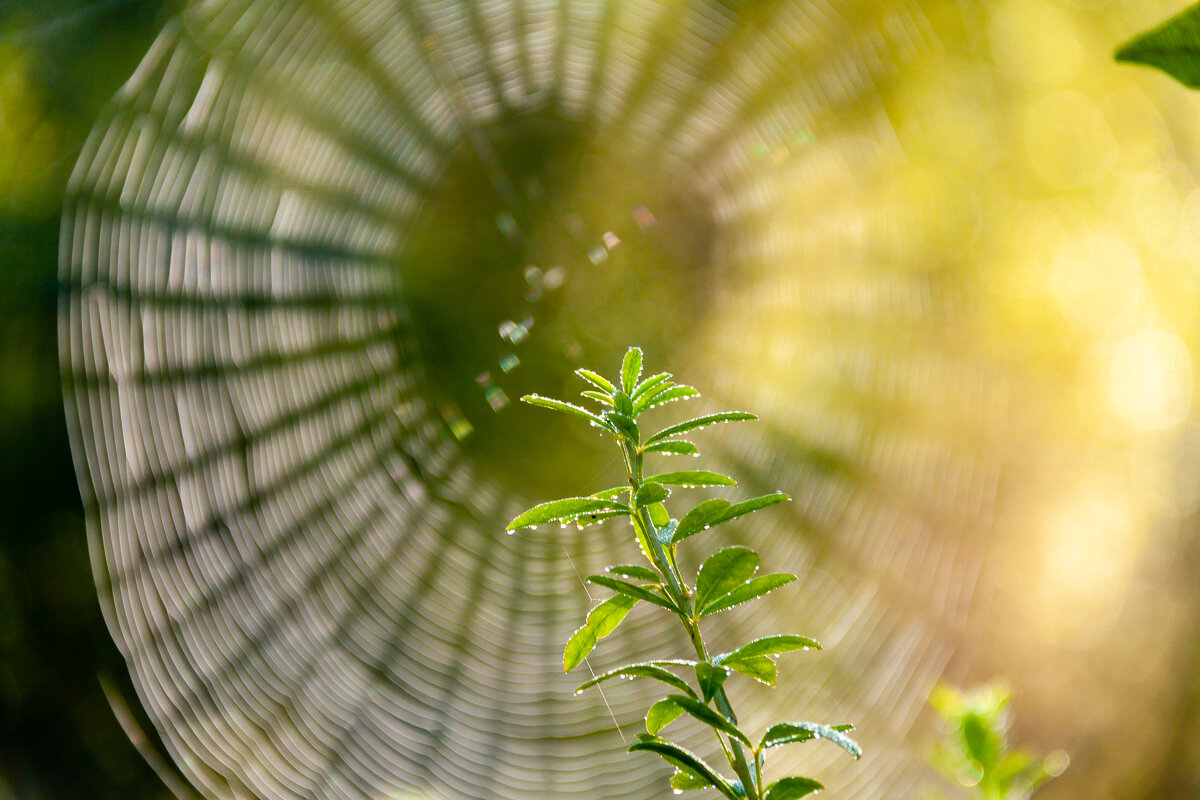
(566, 408)
(668, 394)
(659, 515)
(623, 404)
(631, 369)
(683, 759)
(1173, 47)
(623, 425)
(649, 384)
(601, 621)
(650, 493)
(685, 780)
(692, 477)
(632, 590)
(791, 788)
(597, 380)
(700, 422)
(754, 504)
(760, 668)
(711, 718)
(665, 533)
(770, 645)
(724, 571)
(662, 714)
(754, 588)
(634, 571)
(673, 447)
(599, 397)
(788, 732)
(649, 669)
(710, 679)
(704, 515)
(564, 509)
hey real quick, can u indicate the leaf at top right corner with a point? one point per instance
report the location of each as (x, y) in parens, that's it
(791, 788)
(1173, 47)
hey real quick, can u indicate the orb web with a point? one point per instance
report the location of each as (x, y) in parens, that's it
(302, 250)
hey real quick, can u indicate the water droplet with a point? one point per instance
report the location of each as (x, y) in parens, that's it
(510, 533)
(677, 791)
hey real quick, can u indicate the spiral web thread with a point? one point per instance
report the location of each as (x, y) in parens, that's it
(307, 575)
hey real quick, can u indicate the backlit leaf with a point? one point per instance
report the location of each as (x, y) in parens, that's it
(673, 447)
(601, 621)
(599, 397)
(649, 669)
(662, 714)
(566, 408)
(649, 493)
(723, 572)
(633, 590)
(711, 718)
(623, 425)
(648, 385)
(564, 509)
(597, 380)
(692, 477)
(710, 679)
(754, 588)
(700, 422)
(669, 394)
(704, 515)
(685, 780)
(760, 668)
(770, 645)
(631, 369)
(791, 788)
(789, 732)
(683, 759)
(634, 571)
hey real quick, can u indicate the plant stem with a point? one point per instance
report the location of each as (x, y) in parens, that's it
(677, 589)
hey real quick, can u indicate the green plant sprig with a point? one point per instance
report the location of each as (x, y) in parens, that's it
(728, 578)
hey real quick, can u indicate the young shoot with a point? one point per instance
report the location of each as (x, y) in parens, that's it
(727, 578)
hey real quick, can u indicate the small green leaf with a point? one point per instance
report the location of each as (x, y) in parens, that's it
(634, 571)
(631, 369)
(710, 717)
(710, 679)
(601, 621)
(700, 422)
(704, 515)
(599, 397)
(665, 533)
(692, 477)
(770, 645)
(683, 759)
(724, 571)
(650, 493)
(662, 714)
(754, 588)
(623, 404)
(597, 380)
(564, 509)
(1173, 47)
(566, 408)
(649, 384)
(673, 447)
(668, 394)
(659, 515)
(791, 788)
(761, 668)
(649, 669)
(789, 732)
(584, 520)
(623, 425)
(633, 590)
(685, 781)
(754, 504)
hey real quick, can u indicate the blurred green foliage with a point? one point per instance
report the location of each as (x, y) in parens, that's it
(60, 62)
(974, 750)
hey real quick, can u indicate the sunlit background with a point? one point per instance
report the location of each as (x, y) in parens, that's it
(291, 276)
